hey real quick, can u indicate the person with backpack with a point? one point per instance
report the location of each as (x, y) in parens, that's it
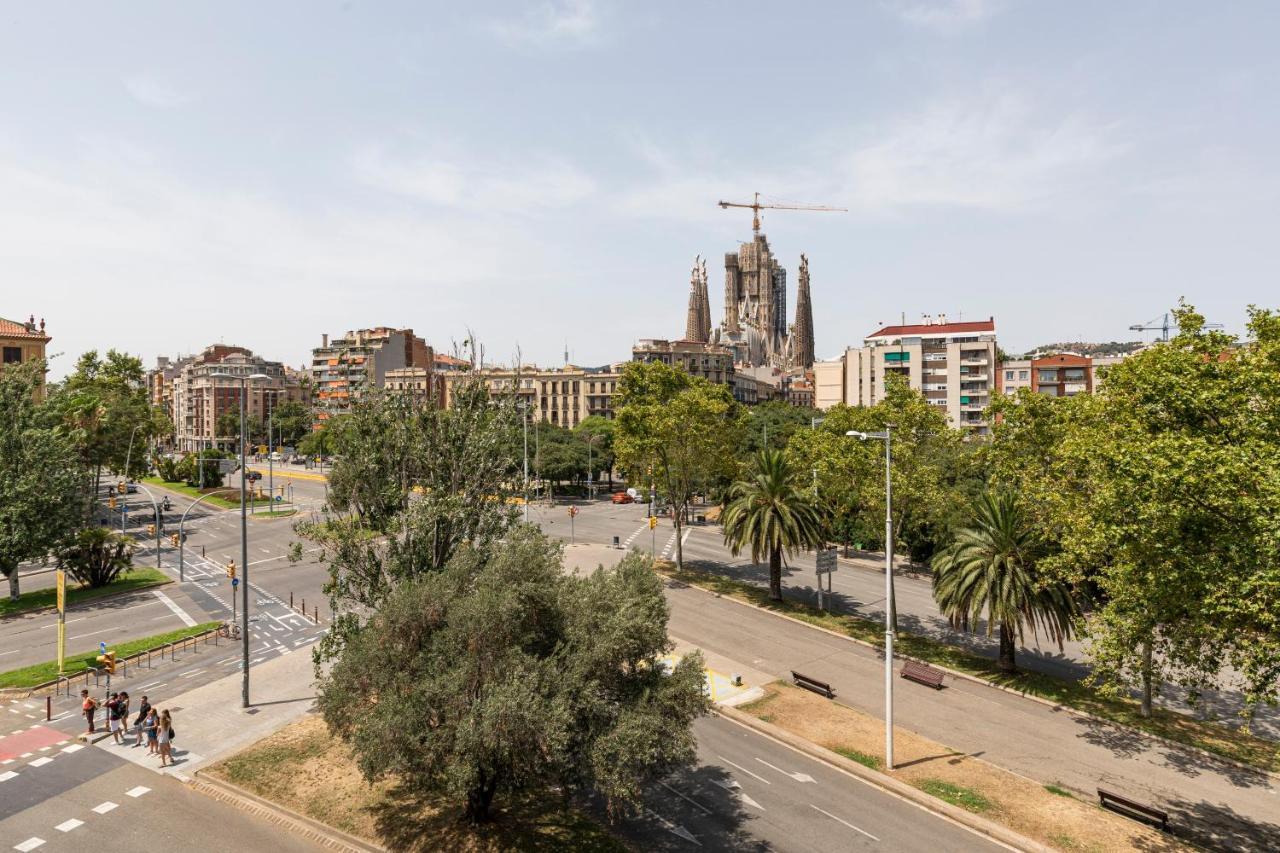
(113, 718)
(144, 708)
(164, 733)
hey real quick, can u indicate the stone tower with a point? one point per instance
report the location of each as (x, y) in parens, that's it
(697, 324)
(705, 298)
(802, 331)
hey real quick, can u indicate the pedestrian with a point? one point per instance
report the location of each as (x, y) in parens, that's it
(90, 708)
(164, 735)
(122, 704)
(113, 717)
(149, 726)
(144, 708)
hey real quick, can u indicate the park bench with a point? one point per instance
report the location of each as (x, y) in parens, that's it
(922, 673)
(1133, 809)
(813, 684)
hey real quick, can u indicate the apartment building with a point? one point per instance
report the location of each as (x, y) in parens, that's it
(1062, 374)
(710, 361)
(194, 397)
(358, 361)
(22, 342)
(565, 396)
(951, 364)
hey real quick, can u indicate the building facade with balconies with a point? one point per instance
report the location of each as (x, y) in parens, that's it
(565, 396)
(951, 364)
(348, 366)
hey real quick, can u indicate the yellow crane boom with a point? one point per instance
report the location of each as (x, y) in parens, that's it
(756, 206)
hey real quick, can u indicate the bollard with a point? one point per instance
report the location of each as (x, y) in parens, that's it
(48, 708)
(317, 614)
(304, 607)
(290, 599)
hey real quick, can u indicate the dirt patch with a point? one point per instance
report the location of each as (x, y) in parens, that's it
(1023, 805)
(303, 768)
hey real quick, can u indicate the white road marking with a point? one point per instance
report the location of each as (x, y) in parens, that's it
(686, 799)
(845, 822)
(799, 777)
(40, 762)
(178, 611)
(673, 829)
(75, 747)
(30, 844)
(7, 775)
(68, 825)
(191, 673)
(733, 787)
(744, 770)
(105, 807)
(685, 537)
(138, 791)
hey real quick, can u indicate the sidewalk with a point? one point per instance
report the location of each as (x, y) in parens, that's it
(210, 724)
(1238, 809)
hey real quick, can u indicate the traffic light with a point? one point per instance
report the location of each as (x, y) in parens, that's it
(653, 521)
(121, 488)
(173, 540)
(108, 662)
(111, 501)
(151, 530)
(573, 510)
(231, 570)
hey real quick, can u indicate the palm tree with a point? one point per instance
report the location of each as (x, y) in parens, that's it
(770, 512)
(990, 566)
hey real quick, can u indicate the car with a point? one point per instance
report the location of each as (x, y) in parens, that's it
(253, 476)
(623, 498)
(297, 459)
(131, 488)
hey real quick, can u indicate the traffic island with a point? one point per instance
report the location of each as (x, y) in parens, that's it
(47, 599)
(1047, 814)
(303, 770)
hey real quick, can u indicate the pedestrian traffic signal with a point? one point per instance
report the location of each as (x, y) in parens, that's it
(231, 570)
(653, 521)
(108, 662)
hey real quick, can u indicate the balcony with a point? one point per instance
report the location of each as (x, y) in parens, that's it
(973, 360)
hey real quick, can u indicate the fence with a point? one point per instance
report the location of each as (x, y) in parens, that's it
(97, 673)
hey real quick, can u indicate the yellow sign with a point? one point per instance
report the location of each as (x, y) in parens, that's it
(62, 616)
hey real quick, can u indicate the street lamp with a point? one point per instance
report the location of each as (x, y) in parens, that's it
(886, 436)
(244, 528)
(129, 453)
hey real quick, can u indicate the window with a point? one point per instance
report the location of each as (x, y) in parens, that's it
(1073, 374)
(1008, 376)
(1048, 375)
(12, 355)
(897, 357)
(1024, 375)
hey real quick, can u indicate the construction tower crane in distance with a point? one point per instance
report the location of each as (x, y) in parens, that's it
(1163, 324)
(756, 206)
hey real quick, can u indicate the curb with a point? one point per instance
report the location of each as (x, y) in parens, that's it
(312, 830)
(964, 676)
(982, 826)
(53, 608)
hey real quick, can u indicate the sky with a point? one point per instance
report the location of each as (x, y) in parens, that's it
(542, 174)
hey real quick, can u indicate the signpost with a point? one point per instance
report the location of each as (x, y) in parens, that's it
(62, 618)
(826, 565)
(653, 536)
(573, 512)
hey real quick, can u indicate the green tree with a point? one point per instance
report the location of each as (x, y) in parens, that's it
(558, 454)
(96, 556)
(188, 470)
(501, 674)
(771, 425)
(228, 426)
(1164, 494)
(677, 429)
(770, 514)
(599, 432)
(104, 405)
(42, 485)
(990, 570)
(290, 423)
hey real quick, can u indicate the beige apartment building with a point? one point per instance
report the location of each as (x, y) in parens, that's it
(710, 361)
(194, 397)
(22, 342)
(358, 361)
(566, 396)
(951, 364)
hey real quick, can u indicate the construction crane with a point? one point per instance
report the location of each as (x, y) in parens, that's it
(1163, 324)
(756, 207)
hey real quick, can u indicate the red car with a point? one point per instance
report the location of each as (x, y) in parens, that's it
(622, 498)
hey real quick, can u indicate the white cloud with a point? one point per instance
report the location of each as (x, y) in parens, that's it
(151, 91)
(994, 152)
(943, 15)
(526, 187)
(551, 22)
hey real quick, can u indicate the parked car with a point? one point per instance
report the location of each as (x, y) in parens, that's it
(622, 498)
(297, 459)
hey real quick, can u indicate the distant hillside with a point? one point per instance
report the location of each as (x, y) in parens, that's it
(1086, 348)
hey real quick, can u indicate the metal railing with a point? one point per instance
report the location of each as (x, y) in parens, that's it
(98, 673)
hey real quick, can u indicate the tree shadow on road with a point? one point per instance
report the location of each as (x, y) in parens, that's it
(702, 803)
(1216, 826)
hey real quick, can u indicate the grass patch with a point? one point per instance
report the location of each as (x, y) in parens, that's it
(967, 781)
(863, 758)
(1058, 790)
(135, 579)
(958, 795)
(1217, 738)
(30, 676)
(308, 770)
(224, 497)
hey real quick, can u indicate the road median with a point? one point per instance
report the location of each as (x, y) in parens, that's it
(47, 599)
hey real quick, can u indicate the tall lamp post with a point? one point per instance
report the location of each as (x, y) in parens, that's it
(244, 530)
(886, 436)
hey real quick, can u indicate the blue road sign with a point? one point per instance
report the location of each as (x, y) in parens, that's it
(102, 647)
(235, 582)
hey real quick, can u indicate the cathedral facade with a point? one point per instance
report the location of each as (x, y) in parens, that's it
(755, 324)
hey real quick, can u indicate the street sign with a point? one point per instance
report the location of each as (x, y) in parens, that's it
(235, 582)
(102, 647)
(826, 560)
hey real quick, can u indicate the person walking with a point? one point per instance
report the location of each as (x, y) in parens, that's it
(144, 708)
(122, 704)
(149, 726)
(164, 735)
(89, 706)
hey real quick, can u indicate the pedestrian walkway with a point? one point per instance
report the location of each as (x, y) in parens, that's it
(1236, 808)
(210, 722)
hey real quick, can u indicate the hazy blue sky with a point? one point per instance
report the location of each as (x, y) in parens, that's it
(175, 174)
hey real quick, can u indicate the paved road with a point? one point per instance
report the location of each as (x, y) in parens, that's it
(56, 795)
(749, 792)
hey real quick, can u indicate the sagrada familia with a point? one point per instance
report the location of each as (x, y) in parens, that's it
(755, 310)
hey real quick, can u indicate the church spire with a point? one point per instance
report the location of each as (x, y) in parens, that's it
(802, 331)
(694, 329)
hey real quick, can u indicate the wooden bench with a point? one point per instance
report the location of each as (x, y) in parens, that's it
(820, 687)
(922, 673)
(1133, 809)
